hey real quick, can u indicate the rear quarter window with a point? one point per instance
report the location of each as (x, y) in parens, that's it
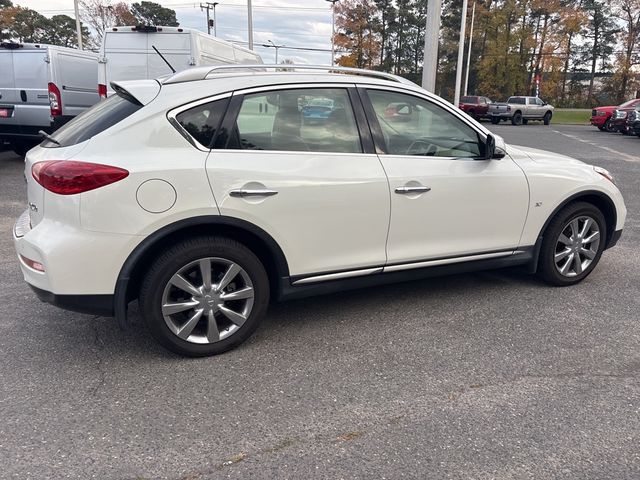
(103, 115)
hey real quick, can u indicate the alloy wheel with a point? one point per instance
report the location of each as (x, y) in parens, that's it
(207, 300)
(577, 246)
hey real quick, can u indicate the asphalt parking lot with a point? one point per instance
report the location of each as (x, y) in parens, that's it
(491, 375)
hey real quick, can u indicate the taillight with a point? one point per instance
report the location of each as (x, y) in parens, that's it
(102, 90)
(55, 101)
(66, 177)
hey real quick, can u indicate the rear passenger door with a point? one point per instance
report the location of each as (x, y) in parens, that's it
(299, 164)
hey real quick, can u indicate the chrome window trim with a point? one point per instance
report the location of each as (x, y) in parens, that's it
(174, 112)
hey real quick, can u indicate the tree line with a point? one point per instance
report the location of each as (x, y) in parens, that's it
(585, 52)
(26, 25)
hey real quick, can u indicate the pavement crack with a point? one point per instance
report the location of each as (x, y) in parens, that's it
(97, 351)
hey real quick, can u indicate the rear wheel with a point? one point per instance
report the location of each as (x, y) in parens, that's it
(204, 296)
(525, 121)
(572, 244)
(516, 119)
(495, 120)
(547, 118)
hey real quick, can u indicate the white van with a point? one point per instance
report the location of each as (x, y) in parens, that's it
(127, 53)
(41, 88)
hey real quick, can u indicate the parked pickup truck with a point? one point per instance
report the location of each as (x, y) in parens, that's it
(520, 110)
(477, 107)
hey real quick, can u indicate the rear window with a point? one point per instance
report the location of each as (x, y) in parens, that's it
(93, 121)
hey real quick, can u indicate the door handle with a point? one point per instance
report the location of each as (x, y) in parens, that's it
(252, 193)
(406, 190)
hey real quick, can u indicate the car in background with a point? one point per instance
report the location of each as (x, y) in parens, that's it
(519, 110)
(633, 120)
(619, 117)
(601, 117)
(183, 194)
(477, 107)
(317, 110)
(41, 88)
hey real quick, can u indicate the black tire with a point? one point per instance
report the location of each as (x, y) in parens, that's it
(625, 131)
(495, 120)
(525, 121)
(601, 128)
(547, 268)
(177, 257)
(608, 127)
(516, 119)
(547, 118)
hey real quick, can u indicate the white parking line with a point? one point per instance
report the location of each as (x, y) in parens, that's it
(623, 156)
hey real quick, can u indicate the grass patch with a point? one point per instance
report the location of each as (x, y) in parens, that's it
(571, 116)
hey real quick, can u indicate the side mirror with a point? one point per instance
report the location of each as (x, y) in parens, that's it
(489, 147)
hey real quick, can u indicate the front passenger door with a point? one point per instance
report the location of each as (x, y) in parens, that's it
(446, 202)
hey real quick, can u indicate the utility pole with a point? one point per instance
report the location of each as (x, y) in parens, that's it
(250, 23)
(460, 65)
(333, 29)
(78, 26)
(431, 41)
(277, 47)
(466, 78)
(208, 6)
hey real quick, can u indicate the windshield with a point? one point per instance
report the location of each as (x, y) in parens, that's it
(96, 119)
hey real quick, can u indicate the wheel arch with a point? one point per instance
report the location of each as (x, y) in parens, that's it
(599, 199)
(256, 239)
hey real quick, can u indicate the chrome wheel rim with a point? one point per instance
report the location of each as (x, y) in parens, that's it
(207, 300)
(577, 246)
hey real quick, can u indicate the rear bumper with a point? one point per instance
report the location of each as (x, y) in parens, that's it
(91, 304)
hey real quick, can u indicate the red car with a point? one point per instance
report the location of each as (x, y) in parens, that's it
(477, 107)
(604, 118)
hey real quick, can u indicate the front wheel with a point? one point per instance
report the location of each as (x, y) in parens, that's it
(608, 126)
(204, 296)
(572, 244)
(547, 118)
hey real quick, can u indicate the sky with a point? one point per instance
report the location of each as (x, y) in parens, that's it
(302, 23)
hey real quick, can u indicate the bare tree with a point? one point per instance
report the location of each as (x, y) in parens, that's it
(101, 15)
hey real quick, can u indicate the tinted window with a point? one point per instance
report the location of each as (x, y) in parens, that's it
(314, 119)
(517, 101)
(414, 126)
(93, 121)
(469, 99)
(203, 121)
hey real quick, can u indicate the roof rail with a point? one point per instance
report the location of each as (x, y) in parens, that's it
(202, 73)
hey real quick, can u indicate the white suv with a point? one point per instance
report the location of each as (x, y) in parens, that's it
(206, 195)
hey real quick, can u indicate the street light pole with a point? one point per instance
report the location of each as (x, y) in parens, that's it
(459, 65)
(333, 29)
(78, 26)
(250, 23)
(277, 47)
(431, 41)
(466, 78)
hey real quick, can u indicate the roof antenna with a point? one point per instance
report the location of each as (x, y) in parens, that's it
(165, 60)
